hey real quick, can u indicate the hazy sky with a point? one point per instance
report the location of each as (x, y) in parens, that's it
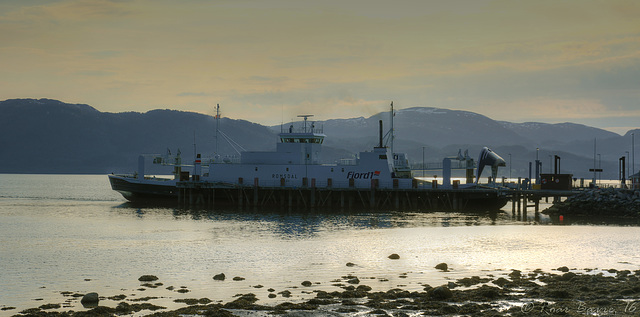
(268, 61)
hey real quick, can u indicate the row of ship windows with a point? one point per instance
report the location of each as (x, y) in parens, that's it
(304, 140)
(288, 169)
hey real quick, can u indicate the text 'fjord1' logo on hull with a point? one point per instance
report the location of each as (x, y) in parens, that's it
(367, 175)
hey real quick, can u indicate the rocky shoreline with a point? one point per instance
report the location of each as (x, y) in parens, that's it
(599, 203)
(568, 292)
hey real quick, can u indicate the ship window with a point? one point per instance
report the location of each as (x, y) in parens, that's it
(343, 169)
(256, 168)
(287, 169)
(332, 169)
(383, 157)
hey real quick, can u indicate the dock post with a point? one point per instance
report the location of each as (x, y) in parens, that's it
(256, 181)
(525, 202)
(454, 202)
(372, 198)
(282, 192)
(397, 199)
(313, 192)
(240, 202)
(342, 199)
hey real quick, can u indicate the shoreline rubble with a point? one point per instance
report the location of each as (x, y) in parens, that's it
(569, 292)
(600, 203)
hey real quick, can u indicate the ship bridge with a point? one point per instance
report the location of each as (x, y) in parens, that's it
(298, 146)
(305, 134)
(315, 138)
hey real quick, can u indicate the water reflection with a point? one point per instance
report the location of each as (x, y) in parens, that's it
(306, 224)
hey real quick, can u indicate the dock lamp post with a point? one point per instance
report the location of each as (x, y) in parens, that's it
(423, 161)
(633, 154)
(628, 165)
(599, 168)
(537, 167)
(509, 166)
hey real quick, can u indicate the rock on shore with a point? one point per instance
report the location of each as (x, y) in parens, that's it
(600, 202)
(517, 293)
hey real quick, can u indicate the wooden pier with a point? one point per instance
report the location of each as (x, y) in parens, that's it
(524, 199)
(211, 195)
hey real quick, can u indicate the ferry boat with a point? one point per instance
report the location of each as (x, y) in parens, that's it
(296, 163)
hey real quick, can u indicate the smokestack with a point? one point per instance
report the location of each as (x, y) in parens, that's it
(380, 133)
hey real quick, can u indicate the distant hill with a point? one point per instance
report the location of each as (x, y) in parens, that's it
(444, 132)
(50, 136)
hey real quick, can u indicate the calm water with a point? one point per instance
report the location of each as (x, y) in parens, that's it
(73, 233)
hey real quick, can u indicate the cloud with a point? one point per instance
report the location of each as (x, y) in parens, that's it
(105, 54)
(96, 73)
(332, 58)
(194, 94)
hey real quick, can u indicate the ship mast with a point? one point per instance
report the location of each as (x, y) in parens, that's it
(391, 136)
(305, 116)
(217, 119)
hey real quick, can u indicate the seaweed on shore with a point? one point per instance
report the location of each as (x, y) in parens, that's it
(535, 293)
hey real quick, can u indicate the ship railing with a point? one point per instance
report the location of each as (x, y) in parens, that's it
(309, 129)
(438, 165)
(225, 160)
(347, 161)
(402, 183)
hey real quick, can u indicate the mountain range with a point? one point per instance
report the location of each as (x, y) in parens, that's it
(50, 136)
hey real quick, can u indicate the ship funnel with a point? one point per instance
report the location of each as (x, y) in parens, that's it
(489, 158)
(381, 137)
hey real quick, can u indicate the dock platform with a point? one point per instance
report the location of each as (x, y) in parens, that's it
(407, 199)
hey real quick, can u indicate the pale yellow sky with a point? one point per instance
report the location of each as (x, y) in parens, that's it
(267, 61)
